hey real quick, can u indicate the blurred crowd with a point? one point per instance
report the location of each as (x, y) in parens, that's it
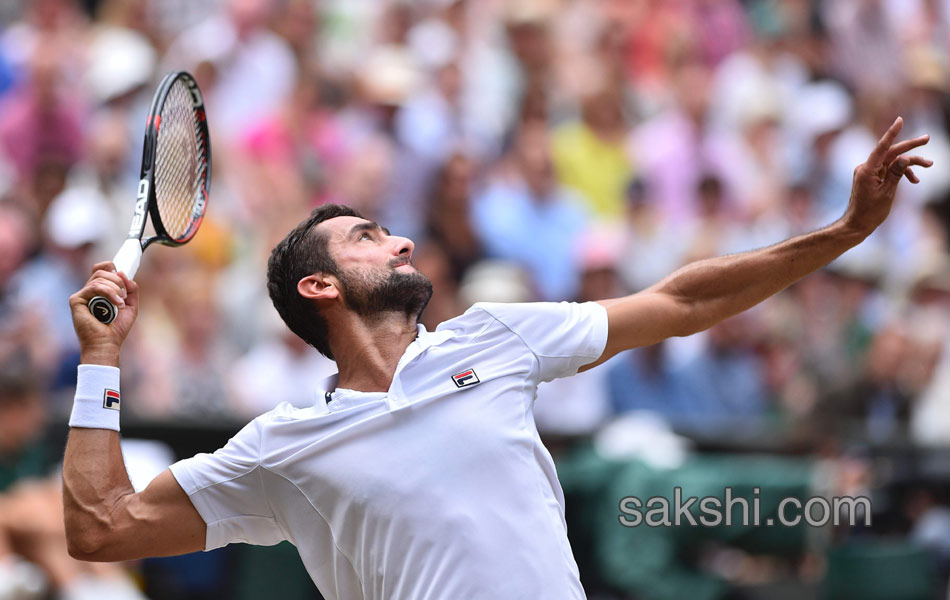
(534, 150)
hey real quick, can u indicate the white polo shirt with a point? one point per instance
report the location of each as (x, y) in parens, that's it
(438, 488)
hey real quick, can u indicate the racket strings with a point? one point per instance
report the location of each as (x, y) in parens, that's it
(180, 163)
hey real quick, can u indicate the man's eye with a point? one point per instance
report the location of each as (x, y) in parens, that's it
(365, 235)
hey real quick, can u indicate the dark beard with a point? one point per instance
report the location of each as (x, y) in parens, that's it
(406, 293)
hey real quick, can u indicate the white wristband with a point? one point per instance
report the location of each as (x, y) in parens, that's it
(97, 398)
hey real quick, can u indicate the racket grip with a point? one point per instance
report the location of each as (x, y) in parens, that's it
(103, 310)
(126, 260)
(128, 257)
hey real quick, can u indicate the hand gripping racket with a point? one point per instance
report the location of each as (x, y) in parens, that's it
(176, 176)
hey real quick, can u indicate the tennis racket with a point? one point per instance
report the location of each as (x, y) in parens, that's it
(176, 176)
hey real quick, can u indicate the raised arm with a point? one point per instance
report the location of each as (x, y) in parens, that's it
(704, 293)
(105, 519)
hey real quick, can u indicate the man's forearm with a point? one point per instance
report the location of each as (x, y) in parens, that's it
(718, 288)
(94, 483)
(94, 479)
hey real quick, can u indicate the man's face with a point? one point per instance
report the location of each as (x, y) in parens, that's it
(375, 270)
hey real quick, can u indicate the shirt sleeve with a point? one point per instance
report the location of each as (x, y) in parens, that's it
(227, 490)
(564, 336)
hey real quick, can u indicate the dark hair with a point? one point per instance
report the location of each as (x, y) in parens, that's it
(304, 252)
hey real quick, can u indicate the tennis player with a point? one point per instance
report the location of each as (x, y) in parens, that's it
(421, 474)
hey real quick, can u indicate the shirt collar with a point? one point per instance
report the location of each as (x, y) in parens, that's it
(424, 340)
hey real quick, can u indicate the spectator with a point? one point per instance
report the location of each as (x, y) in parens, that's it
(23, 453)
(649, 253)
(450, 205)
(524, 216)
(645, 380)
(252, 67)
(280, 368)
(590, 156)
(39, 126)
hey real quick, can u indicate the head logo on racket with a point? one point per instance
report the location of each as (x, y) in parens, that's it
(141, 203)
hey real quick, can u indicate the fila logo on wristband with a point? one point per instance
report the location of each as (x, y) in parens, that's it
(110, 399)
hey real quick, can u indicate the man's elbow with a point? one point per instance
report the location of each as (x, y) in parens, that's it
(85, 546)
(90, 538)
(674, 314)
(691, 326)
(689, 319)
(695, 317)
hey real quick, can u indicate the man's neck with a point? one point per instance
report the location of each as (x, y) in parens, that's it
(367, 351)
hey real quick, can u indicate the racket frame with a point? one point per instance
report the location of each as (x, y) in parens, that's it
(149, 152)
(146, 203)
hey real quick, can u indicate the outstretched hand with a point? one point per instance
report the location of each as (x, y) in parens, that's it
(875, 181)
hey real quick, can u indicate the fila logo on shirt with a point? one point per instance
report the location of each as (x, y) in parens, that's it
(465, 378)
(110, 399)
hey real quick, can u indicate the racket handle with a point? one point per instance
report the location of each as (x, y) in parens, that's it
(128, 257)
(103, 310)
(126, 260)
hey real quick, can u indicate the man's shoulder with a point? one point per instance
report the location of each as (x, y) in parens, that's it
(276, 427)
(481, 314)
(499, 311)
(254, 431)
(283, 413)
(517, 317)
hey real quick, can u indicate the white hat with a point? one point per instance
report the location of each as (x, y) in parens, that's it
(390, 75)
(433, 43)
(822, 107)
(78, 216)
(494, 281)
(120, 60)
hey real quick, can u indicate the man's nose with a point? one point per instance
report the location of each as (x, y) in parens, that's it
(404, 246)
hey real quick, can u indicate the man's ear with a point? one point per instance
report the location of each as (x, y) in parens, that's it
(318, 287)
